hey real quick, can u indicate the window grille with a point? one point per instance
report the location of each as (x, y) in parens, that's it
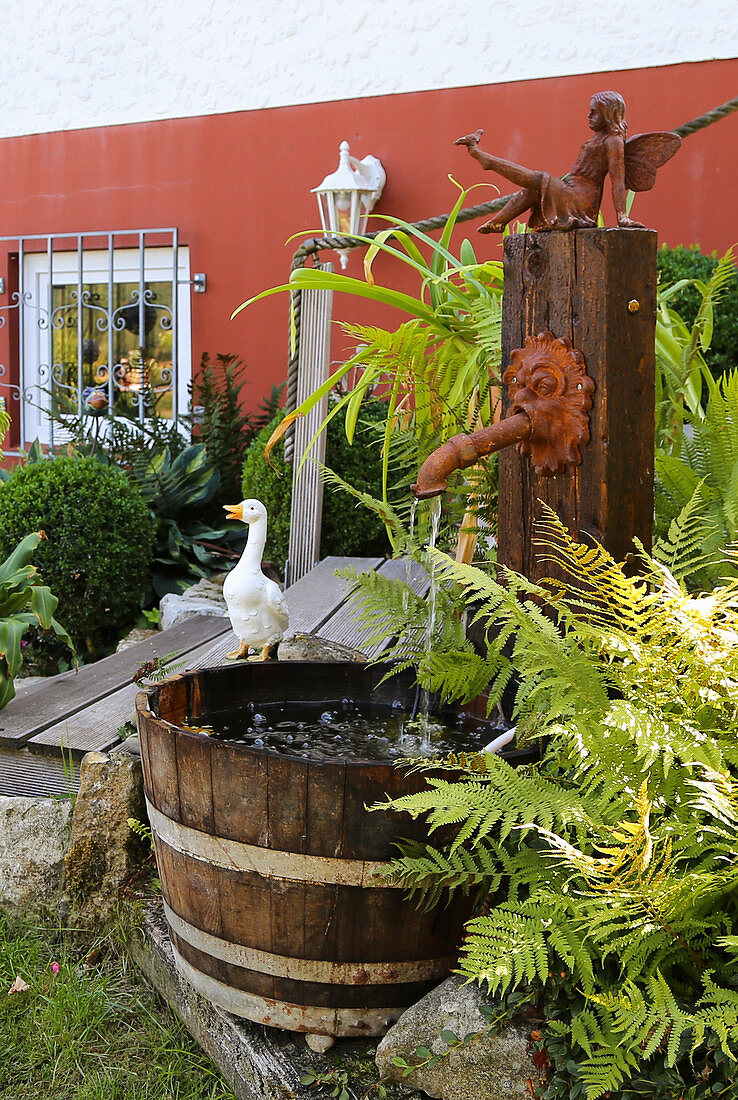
(96, 310)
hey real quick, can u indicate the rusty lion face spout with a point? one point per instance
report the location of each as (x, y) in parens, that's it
(462, 451)
(551, 395)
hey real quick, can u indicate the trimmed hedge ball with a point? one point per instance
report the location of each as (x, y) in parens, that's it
(99, 539)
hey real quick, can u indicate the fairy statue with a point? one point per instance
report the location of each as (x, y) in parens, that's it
(573, 202)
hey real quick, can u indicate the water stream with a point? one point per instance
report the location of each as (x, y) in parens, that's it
(408, 559)
(417, 735)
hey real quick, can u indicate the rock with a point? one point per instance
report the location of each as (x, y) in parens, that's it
(28, 683)
(203, 598)
(309, 647)
(320, 1043)
(104, 849)
(138, 634)
(34, 837)
(493, 1067)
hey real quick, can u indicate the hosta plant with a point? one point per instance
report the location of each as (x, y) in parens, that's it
(24, 602)
(177, 489)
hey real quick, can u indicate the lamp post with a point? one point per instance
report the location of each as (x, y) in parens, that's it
(347, 196)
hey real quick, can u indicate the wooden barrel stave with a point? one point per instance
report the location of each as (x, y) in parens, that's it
(317, 922)
(255, 850)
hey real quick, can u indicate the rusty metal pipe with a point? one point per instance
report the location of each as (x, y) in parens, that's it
(462, 451)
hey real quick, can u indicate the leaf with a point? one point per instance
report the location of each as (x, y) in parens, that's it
(11, 633)
(279, 432)
(43, 604)
(20, 557)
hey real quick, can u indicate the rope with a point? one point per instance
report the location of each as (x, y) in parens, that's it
(706, 120)
(313, 246)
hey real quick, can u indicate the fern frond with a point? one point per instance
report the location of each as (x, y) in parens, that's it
(522, 942)
(428, 872)
(692, 540)
(606, 1069)
(507, 947)
(499, 799)
(559, 677)
(602, 594)
(461, 675)
(650, 1017)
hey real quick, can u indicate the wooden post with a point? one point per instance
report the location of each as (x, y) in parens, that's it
(598, 288)
(306, 517)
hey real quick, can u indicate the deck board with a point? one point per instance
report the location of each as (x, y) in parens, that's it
(77, 712)
(63, 696)
(23, 775)
(95, 728)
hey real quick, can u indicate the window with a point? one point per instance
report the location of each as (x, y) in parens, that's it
(108, 311)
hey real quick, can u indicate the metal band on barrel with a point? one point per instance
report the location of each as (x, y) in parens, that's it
(264, 1010)
(269, 862)
(309, 970)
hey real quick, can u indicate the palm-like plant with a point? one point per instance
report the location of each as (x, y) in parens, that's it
(24, 602)
(438, 371)
(697, 492)
(682, 373)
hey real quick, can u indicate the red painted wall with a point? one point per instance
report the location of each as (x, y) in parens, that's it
(237, 185)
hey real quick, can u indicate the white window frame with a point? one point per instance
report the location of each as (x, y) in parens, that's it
(158, 267)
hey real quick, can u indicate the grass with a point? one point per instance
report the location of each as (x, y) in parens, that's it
(88, 1027)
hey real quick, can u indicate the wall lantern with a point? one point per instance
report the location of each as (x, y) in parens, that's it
(346, 197)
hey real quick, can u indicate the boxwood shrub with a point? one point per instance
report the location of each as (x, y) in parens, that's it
(348, 527)
(99, 537)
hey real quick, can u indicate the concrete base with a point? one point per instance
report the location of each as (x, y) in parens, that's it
(259, 1063)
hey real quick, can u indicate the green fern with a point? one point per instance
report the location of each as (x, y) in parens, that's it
(689, 546)
(432, 874)
(613, 859)
(697, 491)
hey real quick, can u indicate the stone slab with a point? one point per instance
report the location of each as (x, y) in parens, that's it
(34, 836)
(259, 1063)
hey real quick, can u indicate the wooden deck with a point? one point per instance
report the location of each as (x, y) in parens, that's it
(46, 730)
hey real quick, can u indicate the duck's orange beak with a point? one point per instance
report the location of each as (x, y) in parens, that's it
(235, 511)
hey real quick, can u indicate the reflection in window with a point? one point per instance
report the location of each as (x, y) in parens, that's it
(101, 345)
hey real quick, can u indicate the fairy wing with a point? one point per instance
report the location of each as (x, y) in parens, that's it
(645, 154)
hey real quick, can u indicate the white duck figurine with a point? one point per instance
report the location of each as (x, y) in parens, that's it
(256, 604)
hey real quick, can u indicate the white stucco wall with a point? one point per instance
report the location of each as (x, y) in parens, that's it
(96, 62)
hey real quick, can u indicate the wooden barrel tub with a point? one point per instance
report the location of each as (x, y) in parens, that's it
(268, 862)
